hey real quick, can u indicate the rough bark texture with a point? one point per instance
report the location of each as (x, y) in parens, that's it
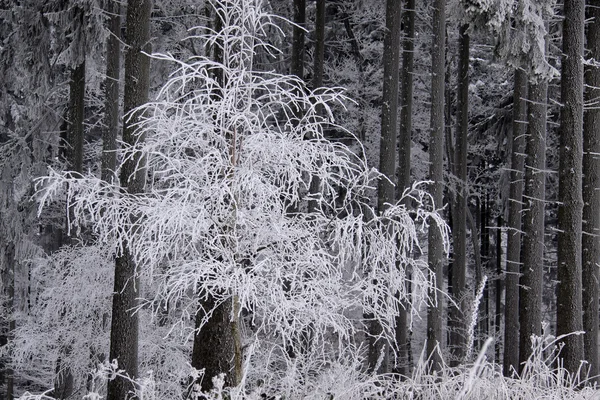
(532, 270)
(389, 124)
(111, 92)
(297, 62)
(124, 323)
(436, 174)
(459, 216)
(570, 209)
(513, 245)
(591, 196)
(317, 82)
(74, 145)
(216, 346)
(404, 161)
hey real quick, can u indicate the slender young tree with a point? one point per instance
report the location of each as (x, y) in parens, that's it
(591, 196)
(124, 322)
(532, 269)
(570, 209)
(389, 125)
(436, 175)
(459, 216)
(513, 246)
(404, 155)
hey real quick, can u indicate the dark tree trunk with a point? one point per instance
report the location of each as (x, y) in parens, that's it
(124, 323)
(436, 175)
(513, 245)
(591, 196)
(459, 216)
(111, 92)
(317, 82)
(404, 162)
(217, 345)
(8, 325)
(297, 62)
(532, 270)
(389, 132)
(74, 145)
(499, 287)
(570, 209)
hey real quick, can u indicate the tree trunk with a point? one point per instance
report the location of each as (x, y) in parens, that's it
(216, 346)
(8, 326)
(217, 341)
(570, 209)
(591, 196)
(317, 82)
(389, 130)
(297, 62)
(499, 288)
(513, 245)
(532, 269)
(436, 175)
(459, 216)
(124, 323)
(74, 145)
(111, 92)
(404, 162)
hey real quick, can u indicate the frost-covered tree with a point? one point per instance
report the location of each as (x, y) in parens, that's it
(214, 221)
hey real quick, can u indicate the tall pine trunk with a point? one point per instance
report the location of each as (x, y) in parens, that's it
(111, 92)
(459, 216)
(436, 175)
(404, 161)
(570, 209)
(591, 196)
(532, 269)
(124, 323)
(513, 245)
(389, 129)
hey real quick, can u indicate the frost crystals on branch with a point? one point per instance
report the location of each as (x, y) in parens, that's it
(225, 162)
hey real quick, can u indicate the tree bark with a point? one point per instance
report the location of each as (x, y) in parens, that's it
(532, 269)
(591, 196)
(404, 161)
(111, 92)
(436, 175)
(297, 62)
(124, 323)
(389, 127)
(74, 145)
(499, 288)
(513, 245)
(570, 209)
(216, 346)
(317, 82)
(459, 216)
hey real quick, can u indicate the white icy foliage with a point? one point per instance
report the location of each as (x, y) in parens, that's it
(225, 164)
(520, 27)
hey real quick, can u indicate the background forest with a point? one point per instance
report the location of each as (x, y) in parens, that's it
(328, 199)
